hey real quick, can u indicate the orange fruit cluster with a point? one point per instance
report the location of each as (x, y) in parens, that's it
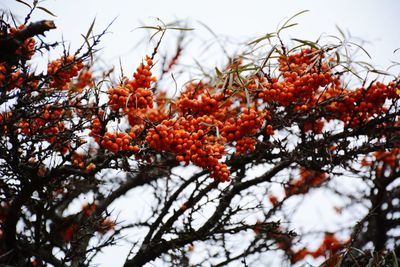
(70, 231)
(138, 118)
(354, 107)
(190, 139)
(96, 129)
(314, 126)
(52, 132)
(10, 77)
(134, 93)
(84, 79)
(78, 159)
(27, 48)
(244, 145)
(269, 130)
(119, 141)
(273, 199)
(201, 98)
(328, 248)
(88, 209)
(390, 158)
(143, 76)
(62, 70)
(122, 97)
(242, 129)
(248, 123)
(206, 104)
(300, 82)
(307, 180)
(106, 225)
(4, 116)
(28, 128)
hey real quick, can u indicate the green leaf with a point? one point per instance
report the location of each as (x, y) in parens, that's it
(305, 42)
(90, 28)
(219, 73)
(395, 262)
(359, 46)
(352, 72)
(382, 72)
(180, 28)
(267, 36)
(337, 57)
(341, 32)
(158, 28)
(267, 57)
(286, 24)
(22, 2)
(47, 11)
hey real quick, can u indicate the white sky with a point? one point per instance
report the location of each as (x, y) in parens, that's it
(371, 20)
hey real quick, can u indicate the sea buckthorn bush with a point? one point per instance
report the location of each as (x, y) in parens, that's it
(220, 163)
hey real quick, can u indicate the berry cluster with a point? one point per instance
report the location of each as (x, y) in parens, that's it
(105, 225)
(134, 93)
(116, 142)
(390, 158)
(52, 132)
(78, 160)
(30, 127)
(27, 48)
(10, 77)
(96, 129)
(191, 139)
(84, 79)
(62, 70)
(307, 180)
(88, 209)
(354, 107)
(204, 105)
(143, 76)
(245, 145)
(242, 130)
(248, 123)
(300, 83)
(314, 126)
(4, 116)
(329, 247)
(69, 231)
(122, 97)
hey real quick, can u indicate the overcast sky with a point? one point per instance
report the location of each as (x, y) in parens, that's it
(371, 20)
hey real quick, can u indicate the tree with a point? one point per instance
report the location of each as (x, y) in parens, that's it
(304, 117)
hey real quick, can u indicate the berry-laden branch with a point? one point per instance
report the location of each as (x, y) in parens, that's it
(10, 43)
(223, 160)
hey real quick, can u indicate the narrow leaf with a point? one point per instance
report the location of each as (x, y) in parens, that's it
(292, 17)
(395, 262)
(305, 42)
(288, 26)
(180, 29)
(363, 49)
(90, 28)
(341, 32)
(382, 72)
(22, 2)
(219, 73)
(267, 36)
(337, 57)
(47, 11)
